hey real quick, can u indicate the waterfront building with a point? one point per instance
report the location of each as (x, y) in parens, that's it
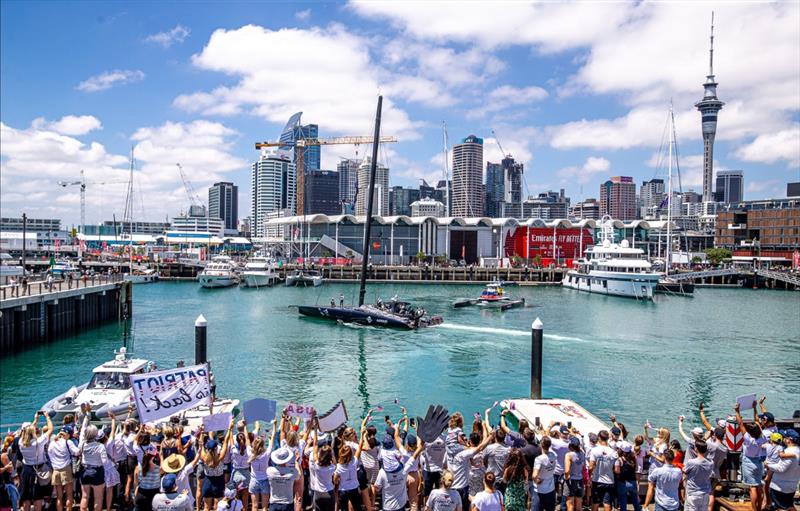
(444, 194)
(618, 198)
(730, 186)
(691, 197)
(312, 155)
(322, 192)
(348, 180)
(198, 224)
(503, 189)
(760, 228)
(709, 107)
(793, 190)
(118, 227)
(273, 187)
(650, 194)
(548, 205)
(223, 202)
(400, 200)
(586, 210)
(467, 189)
(495, 190)
(31, 224)
(427, 207)
(245, 227)
(380, 204)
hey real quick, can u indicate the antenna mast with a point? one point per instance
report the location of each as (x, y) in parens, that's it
(711, 51)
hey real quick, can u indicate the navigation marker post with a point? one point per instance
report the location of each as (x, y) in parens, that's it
(200, 340)
(536, 359)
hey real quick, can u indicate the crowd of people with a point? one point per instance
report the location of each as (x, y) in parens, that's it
(289, 465)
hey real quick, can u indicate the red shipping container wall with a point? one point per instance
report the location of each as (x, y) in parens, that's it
(540, 242)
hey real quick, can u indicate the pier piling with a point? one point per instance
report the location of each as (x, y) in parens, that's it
(536, 359)
(200, 340)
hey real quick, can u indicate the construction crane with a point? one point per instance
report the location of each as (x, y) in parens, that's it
(309, 142)
(497, 140)
(194, 199)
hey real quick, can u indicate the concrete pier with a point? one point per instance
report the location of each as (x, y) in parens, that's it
(41, 313)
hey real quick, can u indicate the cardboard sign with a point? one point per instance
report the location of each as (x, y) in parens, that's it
(259, 410)
(160, 394)
(305, 412)
(217, 421)
(746, 401)
(333, 418)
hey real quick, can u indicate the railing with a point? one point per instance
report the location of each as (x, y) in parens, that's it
(789, 278)
(41, 287)
(704, 274)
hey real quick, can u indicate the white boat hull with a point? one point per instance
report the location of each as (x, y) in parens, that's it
(303, 281)
(641, 286)
(258, 279)
(214, 281)
(141, 279)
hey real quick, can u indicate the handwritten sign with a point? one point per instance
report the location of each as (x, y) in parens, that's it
(334, 418)
(160, 394)
(305, 412)
(217, 421)
(746, 401)
(259, 410)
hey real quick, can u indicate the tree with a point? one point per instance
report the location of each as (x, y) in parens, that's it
(696, 260)
(717, 255)
(537, 260)
(420, 256)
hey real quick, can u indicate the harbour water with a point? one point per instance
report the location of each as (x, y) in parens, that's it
(639, 360)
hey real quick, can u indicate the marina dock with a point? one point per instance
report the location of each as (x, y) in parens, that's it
(43, 313)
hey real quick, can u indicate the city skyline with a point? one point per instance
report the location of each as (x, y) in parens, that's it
(574, 106)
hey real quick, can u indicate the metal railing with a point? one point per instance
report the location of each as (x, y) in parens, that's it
(42, 287)
(789, 278)
(704, 274)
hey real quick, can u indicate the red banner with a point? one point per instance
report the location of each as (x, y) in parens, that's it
(538, 241)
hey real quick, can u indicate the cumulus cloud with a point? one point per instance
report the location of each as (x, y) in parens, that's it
(773, 147)
(170, 37)
(303, 15)
(69, 124)
(274, 84)
(109, 79)
(585, 173)
(507, 96)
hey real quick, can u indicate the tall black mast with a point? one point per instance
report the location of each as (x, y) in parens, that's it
(370, 193)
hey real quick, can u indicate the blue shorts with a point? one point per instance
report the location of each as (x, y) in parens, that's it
(213, 487)
(752, 471)
(240, 477)
(259, 487)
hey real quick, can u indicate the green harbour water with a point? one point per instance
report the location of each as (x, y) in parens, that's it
(639, 360)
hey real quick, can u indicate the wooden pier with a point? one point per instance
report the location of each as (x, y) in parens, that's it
(45, 312)
(439, 274)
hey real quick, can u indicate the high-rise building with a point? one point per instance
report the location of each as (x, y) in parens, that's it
(618, 198)
(348, 180)
(468, 178)
(730, 186)
(223, 202)
(650, 195)
(444, 194)
(504, 189)
(400, 200)
(309, 154)
(709, 107)
(548, 205)
(690, 196)
(380, 204)
(322, 192)
(793, 190)
(273, 187)
(586, 210)
(495, 190)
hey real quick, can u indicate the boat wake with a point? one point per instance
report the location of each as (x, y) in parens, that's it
(507, 331)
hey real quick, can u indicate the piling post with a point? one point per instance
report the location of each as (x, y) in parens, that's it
(536, 359)
(200, 340)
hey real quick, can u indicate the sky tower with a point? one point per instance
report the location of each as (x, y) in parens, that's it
(709, 106)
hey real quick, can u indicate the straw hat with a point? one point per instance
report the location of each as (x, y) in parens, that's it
(173, 463)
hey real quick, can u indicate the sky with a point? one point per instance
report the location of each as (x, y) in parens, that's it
(577, 91)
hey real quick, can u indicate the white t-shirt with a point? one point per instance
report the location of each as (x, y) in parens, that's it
(234, 505)
(604, 458)
(434, 455)
(281, 484)
(348, 475)
(485, 501)
(393, 488)
(239, 457)
(172, 502)
(321, 477)
(258, 467)
(443, 500)
(545, 464)
(460, 468)
(560, 448)
(34, 453)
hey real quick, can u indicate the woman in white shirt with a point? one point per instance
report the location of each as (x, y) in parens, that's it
(32, 445)
(489, 499)
(321, 469)
(93, 458)
(258, 458)
(62, 450)
(345, 477)
(240, 467)
(290, 438)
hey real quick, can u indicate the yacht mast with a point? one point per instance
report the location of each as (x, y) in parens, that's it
(669, 193)
(370, 196)
(446, 174)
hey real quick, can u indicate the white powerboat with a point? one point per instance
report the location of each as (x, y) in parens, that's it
(494, 297)
(141, 276)
(9, 270)
(304, 278)
(109, 389)
(613, 269)
(259, 272)
(220, 272)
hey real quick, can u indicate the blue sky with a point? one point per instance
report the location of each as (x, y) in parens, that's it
(577, 91)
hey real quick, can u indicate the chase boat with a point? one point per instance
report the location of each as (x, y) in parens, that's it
(493, 296)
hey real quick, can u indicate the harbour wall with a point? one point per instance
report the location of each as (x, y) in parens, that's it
(41, 314)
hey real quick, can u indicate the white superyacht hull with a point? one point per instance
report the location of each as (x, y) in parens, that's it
(258, 279)
(630, 285)
(215, 281)
(303, 281)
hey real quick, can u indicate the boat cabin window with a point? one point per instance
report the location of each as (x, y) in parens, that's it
(112, 381)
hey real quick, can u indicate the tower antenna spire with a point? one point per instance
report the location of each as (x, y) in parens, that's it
(711, 51)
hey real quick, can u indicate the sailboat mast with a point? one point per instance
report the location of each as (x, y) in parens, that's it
(370, 196)
(669, 195)
(446, 173)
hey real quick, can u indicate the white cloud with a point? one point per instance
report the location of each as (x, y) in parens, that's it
(69, 124)
(507, 96)
(773, 186)
(585, 173)
(303, 15)
(170, 37)
(109, 79)
(273, 83)
(773, 147)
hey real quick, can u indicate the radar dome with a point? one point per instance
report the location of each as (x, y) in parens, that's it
(624, 244)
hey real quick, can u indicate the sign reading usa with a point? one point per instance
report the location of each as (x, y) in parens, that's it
(161, 394)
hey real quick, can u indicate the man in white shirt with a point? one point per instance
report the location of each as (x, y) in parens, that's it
(392, 485)
(169, 499)
(601, 472)
(665, 483)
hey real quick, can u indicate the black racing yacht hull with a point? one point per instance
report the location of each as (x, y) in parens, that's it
(366, 316)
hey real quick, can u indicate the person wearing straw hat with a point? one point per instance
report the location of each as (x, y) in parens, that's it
(282, 475)
(177, 464)
(170, 498)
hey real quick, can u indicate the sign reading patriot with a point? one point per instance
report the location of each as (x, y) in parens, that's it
(161, 394)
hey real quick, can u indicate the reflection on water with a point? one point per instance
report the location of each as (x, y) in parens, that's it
(640, 361)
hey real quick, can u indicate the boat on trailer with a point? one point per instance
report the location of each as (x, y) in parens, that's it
(492, 297)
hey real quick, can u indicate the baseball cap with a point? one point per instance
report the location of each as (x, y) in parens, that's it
(792, 434)
(388, 442)
(411, 440)
(564, 430)
(211, 444)
(575, 441)
(555, 429)
(767, 416)
(616, 431)
(697, 431)
(625, 447)
(168, 482)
